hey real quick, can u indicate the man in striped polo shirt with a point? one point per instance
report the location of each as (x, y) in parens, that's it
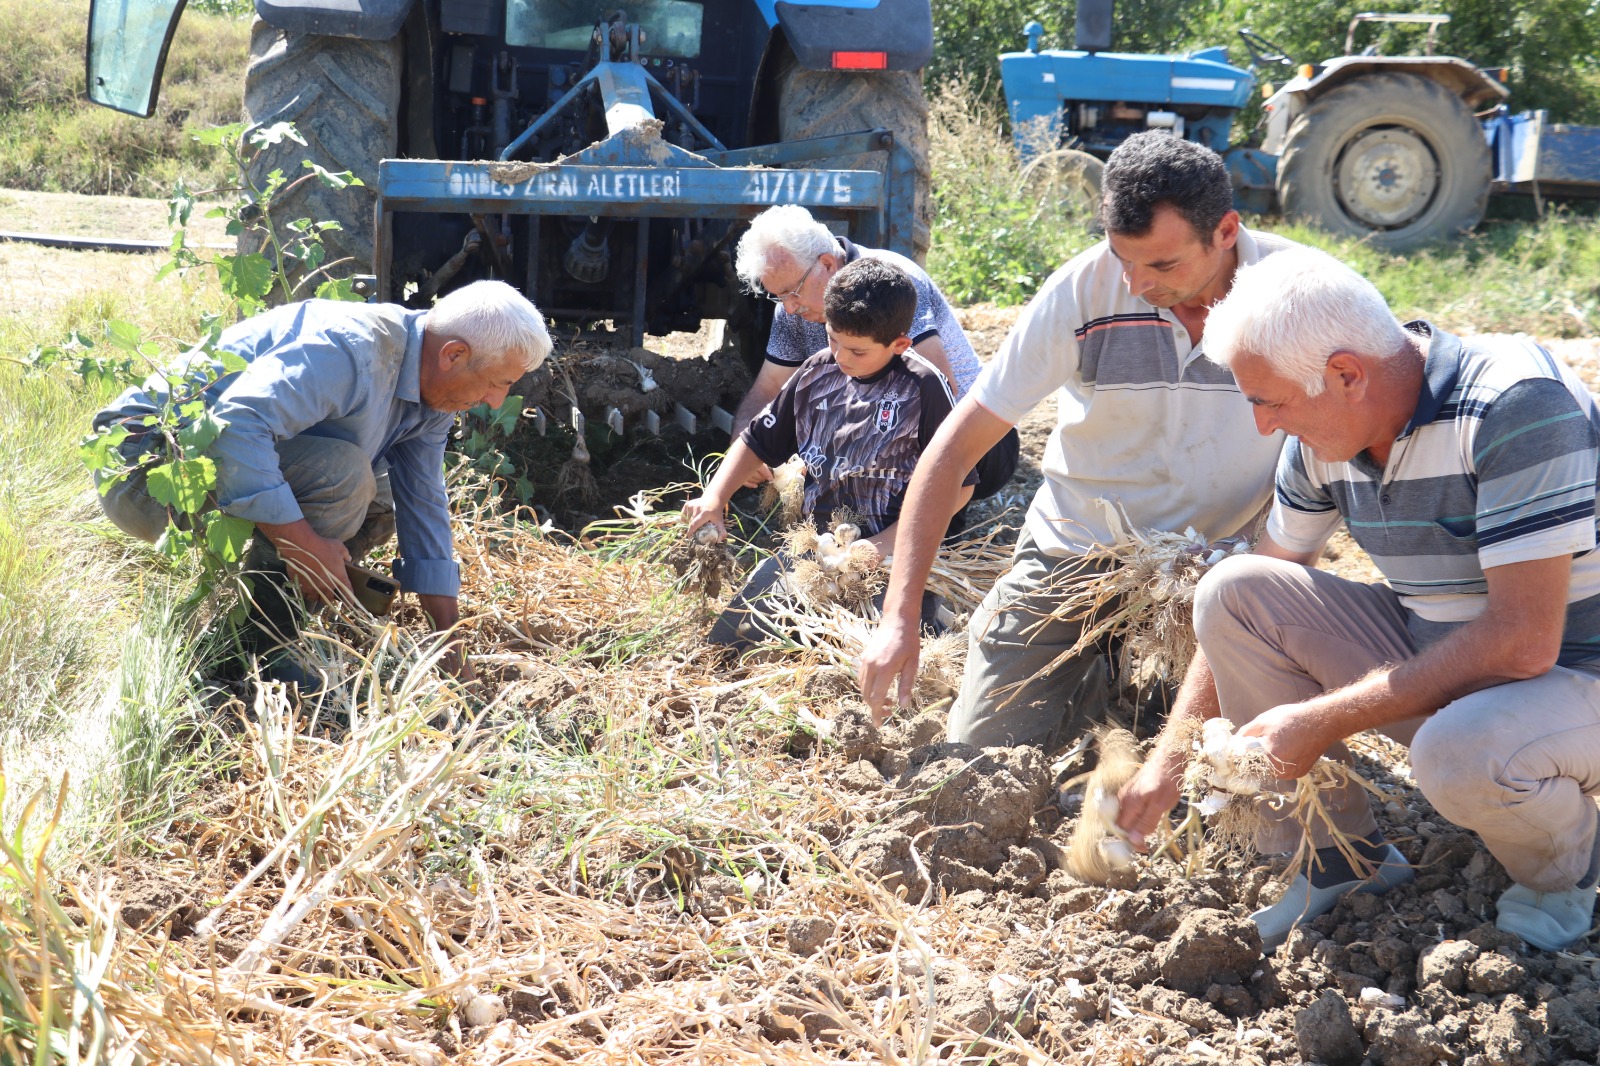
(1145, 425)
(1467, 470)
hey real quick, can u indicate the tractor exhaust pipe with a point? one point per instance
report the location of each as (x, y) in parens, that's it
(1094, 26)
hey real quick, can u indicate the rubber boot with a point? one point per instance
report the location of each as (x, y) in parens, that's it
(1553, 921)
(272, 620)
(376, 530)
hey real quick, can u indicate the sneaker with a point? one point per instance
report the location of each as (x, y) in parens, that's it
(1549, 920)
(1304, 900)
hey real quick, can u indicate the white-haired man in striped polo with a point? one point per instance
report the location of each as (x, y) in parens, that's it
(1467, 469)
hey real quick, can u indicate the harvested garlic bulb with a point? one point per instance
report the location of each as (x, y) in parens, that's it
(483, 1010)
(1118, 852)
(1215, 737)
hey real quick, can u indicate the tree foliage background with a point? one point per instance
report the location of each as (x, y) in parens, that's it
(1552, 47)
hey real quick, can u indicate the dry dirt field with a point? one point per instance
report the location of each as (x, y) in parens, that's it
(946, 931)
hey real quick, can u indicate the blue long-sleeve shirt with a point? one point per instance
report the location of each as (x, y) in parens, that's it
(344, 371)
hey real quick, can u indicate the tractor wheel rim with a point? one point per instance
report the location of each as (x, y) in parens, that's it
(1387, 177)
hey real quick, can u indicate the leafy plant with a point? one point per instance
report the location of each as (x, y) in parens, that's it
(994, 239)
(480, 445)
(294, 256)
(167, 448)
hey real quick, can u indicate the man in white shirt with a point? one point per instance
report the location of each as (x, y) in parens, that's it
(1146, 424)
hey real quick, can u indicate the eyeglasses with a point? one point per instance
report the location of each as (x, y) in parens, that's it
(782, 298)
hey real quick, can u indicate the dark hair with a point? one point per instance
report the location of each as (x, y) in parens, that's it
(871, 298)
(1153, 168)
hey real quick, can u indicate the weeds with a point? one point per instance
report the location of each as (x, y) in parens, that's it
(992, 241)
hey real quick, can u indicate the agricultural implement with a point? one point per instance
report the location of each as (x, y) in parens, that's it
(603, 160)
(1399, 150)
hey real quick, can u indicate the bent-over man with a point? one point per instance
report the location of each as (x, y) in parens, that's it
(333, 437)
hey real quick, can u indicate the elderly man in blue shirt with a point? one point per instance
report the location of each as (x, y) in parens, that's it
(336, 400)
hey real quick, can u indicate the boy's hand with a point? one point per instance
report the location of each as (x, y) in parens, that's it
(702, 511)
(762, 473)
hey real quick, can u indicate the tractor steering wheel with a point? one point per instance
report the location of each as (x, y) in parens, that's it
(1263, 51)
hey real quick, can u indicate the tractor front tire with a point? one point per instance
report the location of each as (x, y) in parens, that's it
(817, 103)
(343, 96)
(1393, 158)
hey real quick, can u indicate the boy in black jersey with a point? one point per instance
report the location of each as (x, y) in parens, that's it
(859, 414)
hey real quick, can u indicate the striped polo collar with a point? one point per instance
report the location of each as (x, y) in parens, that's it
(1440, 372)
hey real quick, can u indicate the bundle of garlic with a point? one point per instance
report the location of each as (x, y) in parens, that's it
(1225, 766)
(834, 567)
(1138, 592)
(1230, 781)
(704, 562)
(787, 493)
(1099, 847)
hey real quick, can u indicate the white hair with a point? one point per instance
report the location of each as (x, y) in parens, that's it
(495, 321)
(789, 228)
(1296, 308)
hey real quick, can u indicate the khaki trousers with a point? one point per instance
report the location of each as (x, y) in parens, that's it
(1516, 763)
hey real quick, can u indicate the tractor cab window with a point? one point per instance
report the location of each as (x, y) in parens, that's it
(671, 27)
(127, 48)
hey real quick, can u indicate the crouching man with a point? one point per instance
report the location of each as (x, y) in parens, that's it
(1467, 470)
(333, 439)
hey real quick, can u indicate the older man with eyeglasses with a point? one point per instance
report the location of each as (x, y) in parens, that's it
(790, 257)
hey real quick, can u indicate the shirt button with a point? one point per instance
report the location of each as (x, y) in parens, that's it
(1384, 498)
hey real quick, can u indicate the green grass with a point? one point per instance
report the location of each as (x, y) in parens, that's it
(1539, 277)
(94, 656)
(53, 139)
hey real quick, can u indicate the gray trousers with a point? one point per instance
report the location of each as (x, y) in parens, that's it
(1006, 698)
(332, 480)
(1516, 763)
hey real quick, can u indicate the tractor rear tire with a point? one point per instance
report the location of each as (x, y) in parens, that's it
(816, 103)
(1067, 179)
(343, 96)
(1394, 158)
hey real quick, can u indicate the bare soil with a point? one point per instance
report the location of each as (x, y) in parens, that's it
(121, 217)
(1157, 967)
(1161, 968)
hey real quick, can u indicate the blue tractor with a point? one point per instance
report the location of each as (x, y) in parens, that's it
(603, 158)
(1388, 148)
